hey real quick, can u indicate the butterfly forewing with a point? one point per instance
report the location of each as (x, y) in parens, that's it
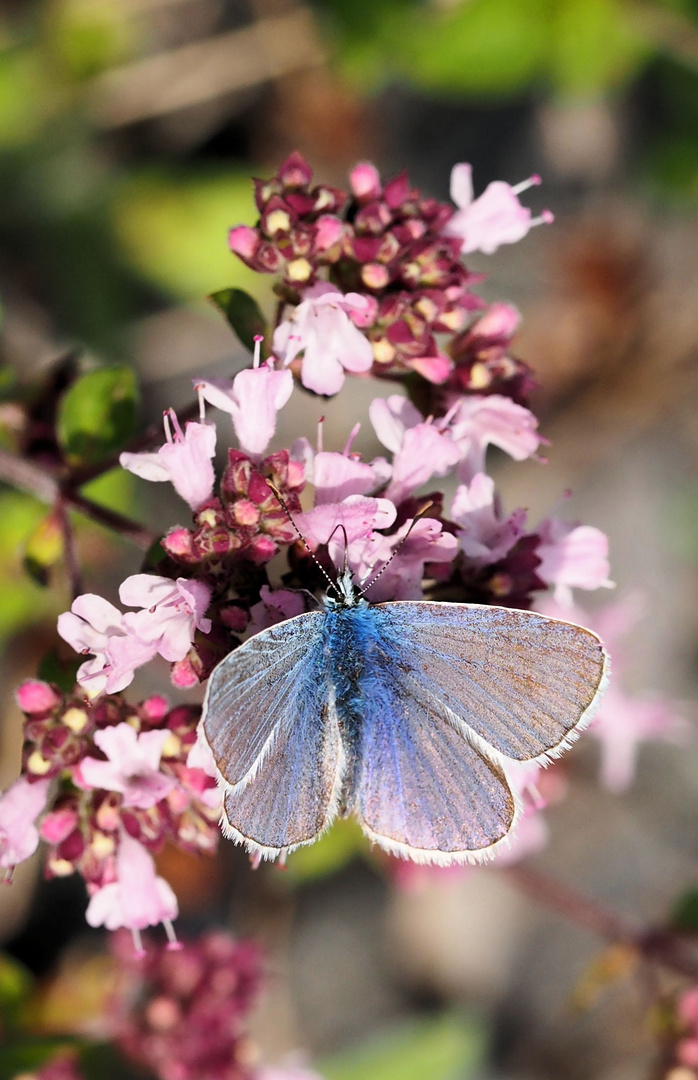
(524, 683)
(270, 722)
(260, 687)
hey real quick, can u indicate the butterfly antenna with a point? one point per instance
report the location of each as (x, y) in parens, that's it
(363, 589)
(337, 528)
(282, 502)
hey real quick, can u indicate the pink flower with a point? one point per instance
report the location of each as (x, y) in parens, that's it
(499, 323)
(184, 460)
(623, 721)
(253, 399)
(57, 825)
(93, 625)
(425, 448)
(402, 580)
(172, 612)
(243, 241)
(476, 422)
(20, 806)
(335, 476)
(138, 898)
(365, 181)
(34, 696)
(275, 606)
(495, 217)
(200, 756)
(421, 449)
(572, 556)
(359, 515)
(484, 535)
(132, 766)
(323, 327)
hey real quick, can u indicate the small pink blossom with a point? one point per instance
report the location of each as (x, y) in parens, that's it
(132, 766)
(499, 323)
(335, 476)
(34, 696)
(402, 580)
(421, 449)
(172, 612)
(365, 181)
(138, 898)
(20, 806)
(93, 625)
(329, 230)
(184, 460)
(275, 606)
(478, 422)
(359, 515)
(243, 241)
(324, 328)
(200, 756)
(623, 721)
(57, 825)
(253, 399)
(495, 217)
(485, 536)
(572, 556)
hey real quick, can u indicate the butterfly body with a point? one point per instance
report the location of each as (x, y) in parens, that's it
(404, 714)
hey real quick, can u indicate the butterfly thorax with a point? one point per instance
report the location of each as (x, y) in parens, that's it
(357, 653)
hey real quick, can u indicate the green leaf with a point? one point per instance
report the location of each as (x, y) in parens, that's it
(62, 673)
(447, 1048)
(242, 312)
(684, 915)
(97, 415)
(337, 847)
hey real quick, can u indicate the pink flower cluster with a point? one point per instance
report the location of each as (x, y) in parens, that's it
(104, 785)
(392, 260)
(185, 1012)
(371, 284)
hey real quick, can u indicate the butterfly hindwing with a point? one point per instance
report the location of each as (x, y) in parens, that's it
(524, 683)
(421, 789)
(269, 720)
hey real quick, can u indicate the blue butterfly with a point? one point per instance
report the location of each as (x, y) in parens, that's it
(400, 713)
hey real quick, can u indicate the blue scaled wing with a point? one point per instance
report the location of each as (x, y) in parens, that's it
(270, 722)
(421, 790)
(525, 684)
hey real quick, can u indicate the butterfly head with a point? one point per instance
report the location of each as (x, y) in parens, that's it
(345, 592)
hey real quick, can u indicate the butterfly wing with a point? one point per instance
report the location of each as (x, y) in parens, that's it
(270, 721)
(524, 683)
(421, 789)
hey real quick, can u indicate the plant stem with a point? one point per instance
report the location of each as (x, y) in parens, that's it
(37, 481)
(72, 560)
(652, 943)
